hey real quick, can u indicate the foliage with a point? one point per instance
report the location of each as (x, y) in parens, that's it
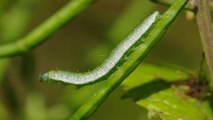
(155, 88)
(168, 93)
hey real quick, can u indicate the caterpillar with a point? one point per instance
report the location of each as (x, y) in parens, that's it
(112, 63)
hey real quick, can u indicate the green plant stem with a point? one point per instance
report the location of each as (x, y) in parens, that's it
(152, 38)
(190, 6)
(206, 32)
(17, 12)
(42, 32)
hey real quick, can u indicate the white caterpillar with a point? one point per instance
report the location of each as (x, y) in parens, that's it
(110, 64)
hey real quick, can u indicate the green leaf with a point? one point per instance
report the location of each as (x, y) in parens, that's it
(149, 72)
(153, 87)
(169, 105)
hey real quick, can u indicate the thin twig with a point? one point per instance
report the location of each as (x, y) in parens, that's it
(19, 13)
(206, 31)
(189, 6)
(46, 29)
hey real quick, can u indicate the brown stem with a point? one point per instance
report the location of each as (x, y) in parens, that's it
(206, 32)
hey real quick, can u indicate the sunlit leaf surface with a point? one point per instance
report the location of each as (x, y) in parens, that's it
(154, 88)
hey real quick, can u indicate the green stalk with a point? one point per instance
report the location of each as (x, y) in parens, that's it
(152, 38)
(11, 29)
(204, 22)
(190, 6)
(49, 27)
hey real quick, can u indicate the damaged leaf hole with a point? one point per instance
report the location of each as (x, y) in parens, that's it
(196, 87)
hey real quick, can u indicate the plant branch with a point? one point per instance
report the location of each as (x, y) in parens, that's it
(18, 13)
(206, 31)
(49, 27)
(190, 6)
(152, 38)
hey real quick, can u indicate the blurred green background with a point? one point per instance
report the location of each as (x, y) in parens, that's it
(82, 45)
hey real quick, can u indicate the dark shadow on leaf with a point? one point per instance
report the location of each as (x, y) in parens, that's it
(145, 90)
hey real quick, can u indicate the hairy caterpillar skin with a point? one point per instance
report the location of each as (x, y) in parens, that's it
(112, 63)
